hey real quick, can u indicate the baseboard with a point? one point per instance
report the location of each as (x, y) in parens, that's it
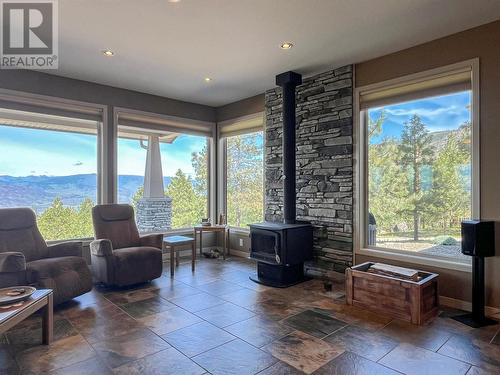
(466, 306)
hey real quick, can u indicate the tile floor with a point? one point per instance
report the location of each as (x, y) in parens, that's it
(216, 321)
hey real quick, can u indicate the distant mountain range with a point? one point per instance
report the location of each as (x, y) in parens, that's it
(38, 192)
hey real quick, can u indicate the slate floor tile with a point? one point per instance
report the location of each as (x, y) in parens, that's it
(350, 363)
(365, 343)
(170, 320)
(225, 314)
(168, 361)
(197, 302)
(235, 357)
(412, 360)
(314, 323)
(259, 331)
(127, 348)
(197, 338)
(304, 352)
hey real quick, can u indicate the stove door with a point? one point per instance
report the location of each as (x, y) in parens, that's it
(265, 245)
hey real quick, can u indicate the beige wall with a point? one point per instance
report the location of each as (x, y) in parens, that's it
(240, 108)
(75, 89)
(482, 42)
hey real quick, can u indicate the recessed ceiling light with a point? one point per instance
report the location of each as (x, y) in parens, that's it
(108, 53)
(207, 79)
(286, 45)
(174, 1)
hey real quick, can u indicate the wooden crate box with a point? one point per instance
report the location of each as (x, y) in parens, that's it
(413, 301)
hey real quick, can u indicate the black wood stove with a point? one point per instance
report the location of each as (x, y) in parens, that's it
(281, 248)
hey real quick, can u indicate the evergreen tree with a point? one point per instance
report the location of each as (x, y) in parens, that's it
(187, 207)
(245, 188)
(416, 152)
(388, 190)
(450, 195)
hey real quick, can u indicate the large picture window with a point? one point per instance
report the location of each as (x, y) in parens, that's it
(244, 179)
(182, 169)
(49, 163)
(419, 171)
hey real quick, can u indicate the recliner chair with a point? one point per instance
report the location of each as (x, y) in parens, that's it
(120, 256)
(25, 258)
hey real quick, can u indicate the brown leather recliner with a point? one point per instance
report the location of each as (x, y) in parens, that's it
(25, 258)
(120, 256)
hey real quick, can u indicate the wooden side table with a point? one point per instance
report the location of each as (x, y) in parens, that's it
(174, 241)
(217, 229)
(42, 299)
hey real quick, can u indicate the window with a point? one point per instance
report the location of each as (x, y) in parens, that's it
(50, 163)
(164, 175)
(244, 179)
(419, 171)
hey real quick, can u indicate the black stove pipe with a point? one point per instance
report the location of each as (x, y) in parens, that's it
(288, 82)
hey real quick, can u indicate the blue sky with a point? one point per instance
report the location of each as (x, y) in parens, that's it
(25, 152)
(177, 155)
(438, 113)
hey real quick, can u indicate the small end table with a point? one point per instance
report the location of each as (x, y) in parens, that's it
(42, 299)
(172, 242)
(217, 229)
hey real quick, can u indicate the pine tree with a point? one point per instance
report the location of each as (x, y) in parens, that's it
(188, 208)
(416, 152)
(245, 179)
(388, 190)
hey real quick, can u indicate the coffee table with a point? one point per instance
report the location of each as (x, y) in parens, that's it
(42, 300)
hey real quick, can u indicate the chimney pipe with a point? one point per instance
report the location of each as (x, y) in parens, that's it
(288, 82)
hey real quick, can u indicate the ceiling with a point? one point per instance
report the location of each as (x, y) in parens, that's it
(168, 49)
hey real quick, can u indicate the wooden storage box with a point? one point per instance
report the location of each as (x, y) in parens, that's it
(413, 301)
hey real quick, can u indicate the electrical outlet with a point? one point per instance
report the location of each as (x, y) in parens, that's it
(241, 242)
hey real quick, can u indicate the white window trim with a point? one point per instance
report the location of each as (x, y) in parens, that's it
(360, 171)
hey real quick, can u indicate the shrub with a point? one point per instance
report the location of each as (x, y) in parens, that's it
(445, 240)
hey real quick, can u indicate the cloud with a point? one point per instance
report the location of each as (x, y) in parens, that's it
(425, 112)
(77, 164)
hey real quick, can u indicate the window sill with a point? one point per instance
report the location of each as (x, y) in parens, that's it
(238, 230)
(417, 259)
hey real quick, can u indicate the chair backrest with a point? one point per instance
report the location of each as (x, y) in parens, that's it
(19, 232)
(116, 223)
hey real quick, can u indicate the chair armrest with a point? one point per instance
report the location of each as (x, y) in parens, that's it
(101, 248)
(11, 261)
(153, 240)
(65, 249)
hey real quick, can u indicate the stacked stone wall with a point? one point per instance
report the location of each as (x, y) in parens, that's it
(324, 164)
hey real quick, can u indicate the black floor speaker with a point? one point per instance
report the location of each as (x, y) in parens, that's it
(478, 240)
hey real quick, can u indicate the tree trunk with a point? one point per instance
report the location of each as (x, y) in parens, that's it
(415, 225)
(416, 190)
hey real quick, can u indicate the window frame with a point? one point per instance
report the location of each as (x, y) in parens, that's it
(174, 124)
(55, 105)
(222, 159)
(361, 172)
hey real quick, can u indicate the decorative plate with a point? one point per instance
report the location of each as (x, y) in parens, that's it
(14, 294)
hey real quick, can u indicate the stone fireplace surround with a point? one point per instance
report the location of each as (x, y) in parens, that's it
(324, 165)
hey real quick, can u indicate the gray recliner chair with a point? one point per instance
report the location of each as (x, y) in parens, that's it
(120, 256)
(25, 258)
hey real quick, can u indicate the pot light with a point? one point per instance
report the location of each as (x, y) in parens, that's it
(174, 1)
(286, 45)
(108, 53)
(207, 79)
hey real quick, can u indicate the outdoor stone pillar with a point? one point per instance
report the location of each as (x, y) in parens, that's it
(154, 210)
